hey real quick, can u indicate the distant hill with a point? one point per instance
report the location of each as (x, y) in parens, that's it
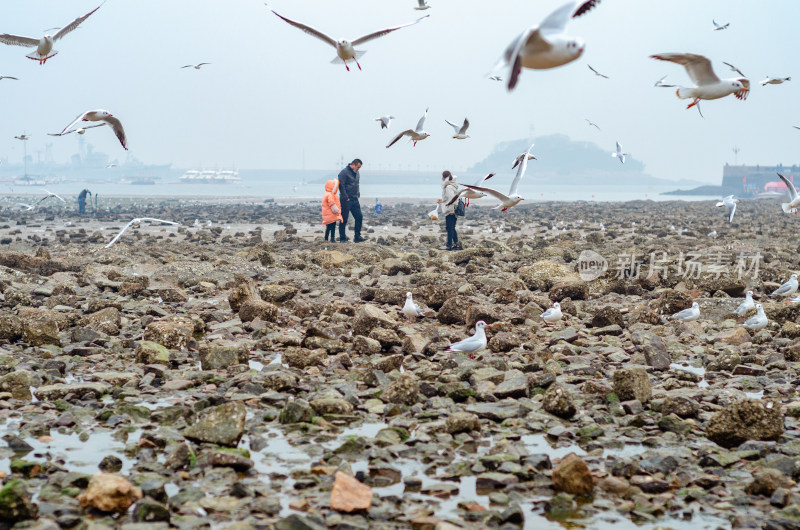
(558, 157)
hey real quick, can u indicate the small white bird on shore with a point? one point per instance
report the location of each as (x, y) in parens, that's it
(385, 121)
(461, 130)
(473, 344)
(104, 116)
(137, 221)
(44, 46)
(552, 315)
(416, 135)
(730, 203)
(745, 306)
(619, 154)
(688, 315)
(794, 198)
(759, 321)
(410, 309)
(775, 80)
(713, 233)
(788, 288)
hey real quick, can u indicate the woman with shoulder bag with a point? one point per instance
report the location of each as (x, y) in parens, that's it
(449, 191)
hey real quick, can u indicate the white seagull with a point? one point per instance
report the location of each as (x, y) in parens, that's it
(50, 194)
(619, 154)
(345, 50)
(759, 321)
(794, 198)
(546, 45)
(104, 116)
(718, 27)
(461, 130)
(687, 315)
(195, 66)
(527, 155)
(709, 86)
(410, 309)
(512, 199)
(495, 78)
(8, 77)
(473, 344)
(23, 137)
(598, 74)
(28, 207)
(553, 314)
(775, 80)
(733, 69)
(592, 124)
(745, 306)
(79, 130)
(44, 46)
(662, 84)
(788, 288)
(422, 5)
(469, 193)
(417, 135)
(385, 121)
(137, 221)
(730, 203)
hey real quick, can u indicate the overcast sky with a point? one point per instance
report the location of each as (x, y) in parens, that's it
(271, 98)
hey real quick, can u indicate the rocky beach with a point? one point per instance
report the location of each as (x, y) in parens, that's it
(239, 372)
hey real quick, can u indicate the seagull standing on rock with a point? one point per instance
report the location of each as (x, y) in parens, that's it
(745, 306)
(788, 288)
(410, 309)
(759, 321)
(552, 315)
(688, 315)
(473, 344)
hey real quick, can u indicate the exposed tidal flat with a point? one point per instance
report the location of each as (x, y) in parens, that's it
(247, 374)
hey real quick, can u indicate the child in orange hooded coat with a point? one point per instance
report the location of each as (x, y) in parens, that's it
(331, 209)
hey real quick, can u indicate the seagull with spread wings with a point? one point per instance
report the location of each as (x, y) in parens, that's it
(104, 116)
(195, 66)
(794, 198)
(709, 86)
(345, 49)
(662, 84)
(416, 135)
(527, 156)
(719, 27)
(79, 130)
(44, 46)
(592, 124)
(730, 203)
(468, 193)
(733, 69)
(49, 194)
(598, 74)
(8, 77)
(546, 45)
(385, 121)
(619, 154)
(513, 198)
(422, 5)
(461, 130)
(137, 221)
(775, 80)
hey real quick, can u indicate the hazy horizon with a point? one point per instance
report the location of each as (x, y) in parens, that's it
(270, 98)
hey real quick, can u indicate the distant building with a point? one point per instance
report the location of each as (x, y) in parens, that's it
(752, 180)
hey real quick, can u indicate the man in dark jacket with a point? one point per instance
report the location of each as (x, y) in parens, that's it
(349, 193)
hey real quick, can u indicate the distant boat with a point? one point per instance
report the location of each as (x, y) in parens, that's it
(773, 190)
(139, 181)
(210, 176)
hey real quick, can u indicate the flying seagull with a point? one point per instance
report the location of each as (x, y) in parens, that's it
(468, 193)
(527, 155)
(619, 154)
(28, 207)
(709, 86)
(8, 77)
(345, 50)
(195, 66)
(662, 84)
(598, 74)
(592, 124)
(385, 121)
(546, 45)
(733, 69)
(718, 27)
(79, 130)
(775, 80)
(417, 135)
(794, 198)
(49, 194)
(23, 137)
(422, 5)
(495, 78)
(105, 116)
(512, 199)
(461, 130)
(796, 127)
(730, 203)
(44, 46)
(137, 221)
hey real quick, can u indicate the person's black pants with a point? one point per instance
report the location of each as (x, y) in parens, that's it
(351, 207)
(450, 225)
(330, 229)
